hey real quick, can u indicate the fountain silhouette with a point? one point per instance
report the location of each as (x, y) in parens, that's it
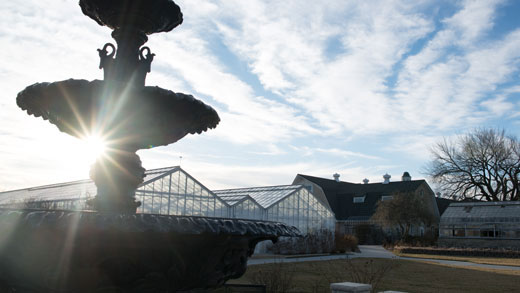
(111, 248)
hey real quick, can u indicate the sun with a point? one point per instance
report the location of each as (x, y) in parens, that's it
(95, 147)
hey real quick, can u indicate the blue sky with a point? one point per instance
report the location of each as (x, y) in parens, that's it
(361, 88)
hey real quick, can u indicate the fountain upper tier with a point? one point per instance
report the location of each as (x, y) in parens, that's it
(148, 16)
(127, 113)
(137, 118)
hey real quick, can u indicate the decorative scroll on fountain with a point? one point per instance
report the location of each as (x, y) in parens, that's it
(111, 248)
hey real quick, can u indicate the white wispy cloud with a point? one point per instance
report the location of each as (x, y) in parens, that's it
(440, 87)
(346, 153)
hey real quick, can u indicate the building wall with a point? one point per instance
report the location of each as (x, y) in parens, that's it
(480, 235)
(428, 196)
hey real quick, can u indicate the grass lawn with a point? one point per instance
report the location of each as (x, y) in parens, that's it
(481, 260)
(402, 275)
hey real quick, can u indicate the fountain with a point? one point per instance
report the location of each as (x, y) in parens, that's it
(111, 248)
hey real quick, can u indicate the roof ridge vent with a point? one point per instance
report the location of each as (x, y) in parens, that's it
(365, 181)
(336, 177)
(386, 177)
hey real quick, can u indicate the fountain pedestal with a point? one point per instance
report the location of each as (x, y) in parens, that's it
(117, 175)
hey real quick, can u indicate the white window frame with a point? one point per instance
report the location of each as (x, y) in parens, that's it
(358, 199)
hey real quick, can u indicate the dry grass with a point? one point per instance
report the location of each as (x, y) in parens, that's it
(407, 276)
(480, 260)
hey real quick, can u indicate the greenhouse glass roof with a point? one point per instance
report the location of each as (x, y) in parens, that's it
(482, 211)
(233, 199)
(265, 196)
(80, 189)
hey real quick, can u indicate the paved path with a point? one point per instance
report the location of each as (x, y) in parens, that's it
(376, 251)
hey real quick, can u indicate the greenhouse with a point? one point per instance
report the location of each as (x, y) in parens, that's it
(291, 204)
(166, 191)
(486, 224)
(172, 191)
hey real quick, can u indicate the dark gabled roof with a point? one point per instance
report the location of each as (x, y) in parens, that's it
(443, 203)
(340, 195)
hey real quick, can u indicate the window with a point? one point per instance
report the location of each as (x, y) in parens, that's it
(459, 232)
(487, 233)
(472, 233)
(386, 197)
(358, 199)
(446, 232)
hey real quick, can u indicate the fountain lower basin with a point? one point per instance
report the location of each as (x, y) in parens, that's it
(65, 251)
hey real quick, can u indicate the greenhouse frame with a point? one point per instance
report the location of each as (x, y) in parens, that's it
(476, 224)
(165, 191)
(172, 191)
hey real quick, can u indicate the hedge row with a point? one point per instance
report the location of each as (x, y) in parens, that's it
(460, 252)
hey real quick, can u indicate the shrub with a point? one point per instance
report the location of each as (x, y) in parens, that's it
(345, 242)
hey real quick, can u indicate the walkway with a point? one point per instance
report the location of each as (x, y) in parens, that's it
(376, 251)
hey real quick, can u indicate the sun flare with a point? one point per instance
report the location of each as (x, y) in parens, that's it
(95, 147)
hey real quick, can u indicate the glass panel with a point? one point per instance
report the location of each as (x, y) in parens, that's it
(166, 184)
(189, 186)
(182, 183)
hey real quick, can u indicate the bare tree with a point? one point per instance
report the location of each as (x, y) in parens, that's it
(483, 165)
(403, 210)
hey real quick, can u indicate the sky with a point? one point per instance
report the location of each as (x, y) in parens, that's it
(358, 88)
